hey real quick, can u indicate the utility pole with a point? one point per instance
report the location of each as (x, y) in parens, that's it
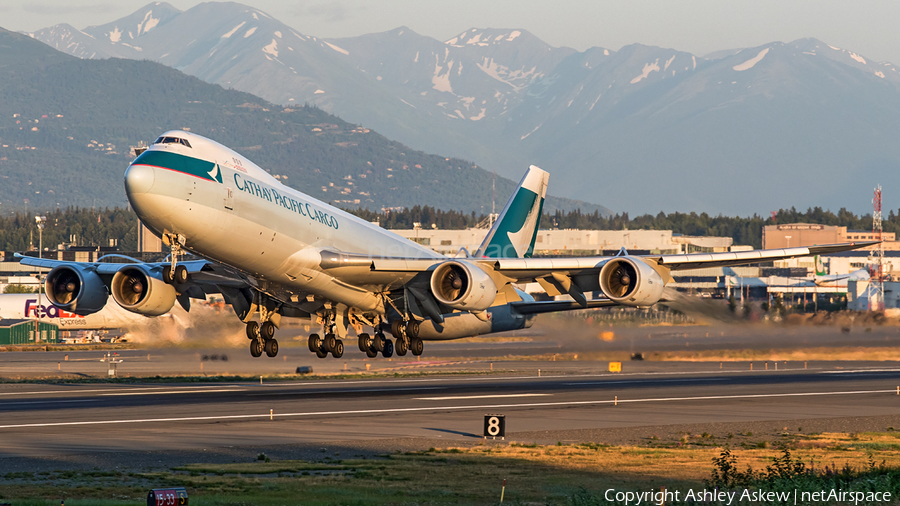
(40, 221)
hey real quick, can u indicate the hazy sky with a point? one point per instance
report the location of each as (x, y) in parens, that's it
(867, 27)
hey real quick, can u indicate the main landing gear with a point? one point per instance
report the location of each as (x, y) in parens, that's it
(262, 339)
(407, 334)
(372, 346)
(322, 347)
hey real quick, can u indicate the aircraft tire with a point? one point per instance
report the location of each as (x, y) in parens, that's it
(256, 348)
(412, 329)
(167, 274)
(329, 342)
(378, 342)
(416, 346)
(388, 350)
(337, 351)
(401, 347)
(267, 330)
(315, 342)
(398, 330)
(252, 330)
(271, 347)
(371, 353)
(364, 341)
(180, 276)
(321, 353)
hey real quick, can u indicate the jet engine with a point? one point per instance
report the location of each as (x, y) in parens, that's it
(461, 285)
(76, 290)
(139, 292)
(631, 282)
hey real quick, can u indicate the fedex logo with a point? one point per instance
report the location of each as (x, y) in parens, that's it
(32, 308)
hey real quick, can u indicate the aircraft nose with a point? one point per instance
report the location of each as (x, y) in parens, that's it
(138, 179)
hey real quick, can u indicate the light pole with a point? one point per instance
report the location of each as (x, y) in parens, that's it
(40, 221)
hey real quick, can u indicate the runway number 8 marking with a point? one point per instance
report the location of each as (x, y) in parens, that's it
(495, 426)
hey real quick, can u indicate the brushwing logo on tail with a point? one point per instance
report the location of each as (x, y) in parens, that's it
(515, 232)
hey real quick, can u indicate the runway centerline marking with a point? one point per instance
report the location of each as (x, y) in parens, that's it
(440, 408)
(462, 397)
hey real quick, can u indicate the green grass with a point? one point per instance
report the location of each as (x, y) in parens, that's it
(559, 474)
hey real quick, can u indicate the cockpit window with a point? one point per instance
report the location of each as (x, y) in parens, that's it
(172, 140)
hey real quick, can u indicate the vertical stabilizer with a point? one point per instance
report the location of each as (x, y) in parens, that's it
(515, 230)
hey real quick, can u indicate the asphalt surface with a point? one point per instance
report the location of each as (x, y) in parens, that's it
(143, 425)
(538, 378)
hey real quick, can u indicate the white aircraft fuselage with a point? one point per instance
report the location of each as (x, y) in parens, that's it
(230, 210)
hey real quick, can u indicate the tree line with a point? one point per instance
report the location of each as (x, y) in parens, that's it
(97, 227)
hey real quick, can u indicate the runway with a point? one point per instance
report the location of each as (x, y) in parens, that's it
(67, 422)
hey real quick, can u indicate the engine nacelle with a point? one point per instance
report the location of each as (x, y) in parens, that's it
(139, 292)
(76, 290)
(631, 282)
(461, 285)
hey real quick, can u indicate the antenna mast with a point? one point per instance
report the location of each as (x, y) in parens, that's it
(876, 291)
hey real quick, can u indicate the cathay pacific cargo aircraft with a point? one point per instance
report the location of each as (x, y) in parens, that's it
(274, 252)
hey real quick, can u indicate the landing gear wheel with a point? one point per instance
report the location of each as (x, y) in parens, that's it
(180, 276)
(328, 344)
(388, 350)
(315, 343)
(371, 353)
(321, 353)
(401, 347)
(337, 351)
(378, 342)
(364, 342)
(167, 274)
(398, 330)
(412, 329)
(252, 330)
(256, 348)
(267, 330)
(416, 346)
(271, 347)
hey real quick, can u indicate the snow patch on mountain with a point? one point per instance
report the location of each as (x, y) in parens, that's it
(338, 49)
(669, 62)
(278, 34)
(250, 31)
(752, 61)
(648, 67)
(513, 35)
(439, 81)
(236, 28)
(272, 49)
(858, 58)
(115, 35)
(147, 24)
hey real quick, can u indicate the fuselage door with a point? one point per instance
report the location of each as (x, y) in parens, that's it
(229, 199)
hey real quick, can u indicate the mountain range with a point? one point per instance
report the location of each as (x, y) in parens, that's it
(740, 131)
(67, 126)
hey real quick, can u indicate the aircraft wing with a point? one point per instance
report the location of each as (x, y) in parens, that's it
(521, 270)
(206, 277)
(528, 269)
(110, 268)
